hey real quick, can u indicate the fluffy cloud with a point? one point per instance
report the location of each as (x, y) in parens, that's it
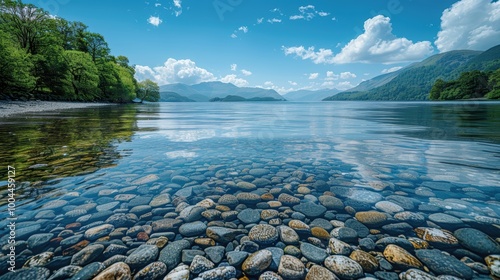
(392, 69)
(234, 66)
(234, 36)
(246, 72)
(233, 79)
(330, 76)
(469, 24)
(376, 45)
(175, 71)
(308, 12)
(274, 20)
(243, 28)
(347, 75)
(292, 83)
(154, 20)
(178, 7)
(313, 76)
(260, 20)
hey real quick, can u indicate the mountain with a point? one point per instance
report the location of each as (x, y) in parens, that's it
(310, 95)
(209, 90)
(167, 96)
(237, 98)
(415, 81)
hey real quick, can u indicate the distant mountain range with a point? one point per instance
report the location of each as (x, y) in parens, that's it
(207, 91)
(310, 95)
(415, 81)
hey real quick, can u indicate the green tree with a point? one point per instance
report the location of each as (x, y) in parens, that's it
(16, 79)
(494, 83)
(473, 84)
(96, 46)
(84, 76)
(149, 91)
(436, 90)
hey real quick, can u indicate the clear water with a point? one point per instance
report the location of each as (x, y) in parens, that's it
(395, 145)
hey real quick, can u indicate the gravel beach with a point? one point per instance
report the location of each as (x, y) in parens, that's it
(9, 108)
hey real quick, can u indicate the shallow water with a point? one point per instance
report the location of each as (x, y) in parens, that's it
(387, 148)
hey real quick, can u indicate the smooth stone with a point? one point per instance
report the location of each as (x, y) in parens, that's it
(200, 264)
(261, 182)
(154, 270)
(257, 262)
(188, 255)
(401, 242)
(193, 229)
(172, 253)
(98, 232)
(345, 234)
(338, 247)
(39, 241)
(263, 234)
(400, 257)
(270, 275)
(117, 271)
(142, 256)
(236, 258)
(246, 186)
(160, 200)
(191, 213)
(386, 275)
(215, 253)
(439, 186)
(219, 273)
(331, 202)
(371, 218)
(477, 241)
(122, 220)
(368, 262)
(41, 259)
(146, 179)
(288, 235)
(258, 172)
(108, 206)
(388, 207)
(344, 267)
(360, 228)
(441, 263)
(87, 255)
(249, 216)
(446, 221)
(165, 225)
(313, 253)
(89, 271)
(65, 272)
(416, 274)
(114, 249)
(222, 234)
(179, 273)
(322, 223)
(291, 268)
(493, 263)
(411, 218)
(276, 253)
(436, 237)
(288, 200)
(181, 180)
(317, 272)
(26, 231)
(397, 228)
(310, 209)
(367, 244)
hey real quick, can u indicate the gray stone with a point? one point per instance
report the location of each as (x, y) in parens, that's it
(155, 270)
(477, 241)
(215, 253)
(89, 271)
(236, 258)
(313, 253)
(441, 263)
(310, 209)
(87, 255)
(249, 216)
(193, 229)
(142, 256)
(39, 241)
(171, 254)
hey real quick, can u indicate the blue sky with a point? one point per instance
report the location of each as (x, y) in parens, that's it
(282, 44)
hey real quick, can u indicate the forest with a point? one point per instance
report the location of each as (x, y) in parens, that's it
(43, 57)
(472, 84)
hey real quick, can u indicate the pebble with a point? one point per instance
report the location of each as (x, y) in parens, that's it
(344, 267)
(288, 200)
(142, 256)
(222, 234)
(39, 260)
(310, 209)
(179, 273)
(400, 257)
(288, 235)
(154, 270)
(371, 218)
(219, 273)
(193, 229)
(257, 262)
(249, 216)
(98, 232)
(368, 262)
(436, 237)
(317, 272)
(338, 247)
(388, 207)
(263, 234)
(331, 202)
(37, 242)
(215, 253)
(191, 213)
(291, 268)
(27, 273)
(171, 254)
(477, 241)
(446, 221)
(117, 271)
(66, 272)
(416, 274)
(313, 253)
(411, 218)
(493, 263)
(87, 255)
(246, 186)
(236, 258)
(200, 264)
(441, 263)
(89, 271)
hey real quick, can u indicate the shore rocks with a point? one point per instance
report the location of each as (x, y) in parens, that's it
(257, 262)
(142, 256)
(263, 234)
(441, 263)
(118, 271)
(291, 268)
(371, 218)
(400, 257)
(344, 267)
(477, 241)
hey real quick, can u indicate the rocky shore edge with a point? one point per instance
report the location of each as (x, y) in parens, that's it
(10, 108)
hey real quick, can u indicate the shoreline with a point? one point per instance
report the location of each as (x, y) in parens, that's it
(12, 108)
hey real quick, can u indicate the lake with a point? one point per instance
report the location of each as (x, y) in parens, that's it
(419, 165)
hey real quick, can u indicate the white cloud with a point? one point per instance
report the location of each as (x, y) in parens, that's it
(328, 84)
(260, 20)
(271, 85)
(347, 75)
(390, 70)
(234, 36)
(469, 24)
(321, 56)
(292, 83)
(157, 5)
(308, 12)
(313, 76)
(296, 17)
(178, 7)
(323, 14)
(276, 10)
(376, 45)
(274, 20)
(330, 76)
(243, 28)
(174, 71)
(154, 20)
(233, 79)
(246, 72)
(268, 84)
(234, 66)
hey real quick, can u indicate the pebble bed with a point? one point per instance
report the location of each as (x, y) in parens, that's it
(260, 219)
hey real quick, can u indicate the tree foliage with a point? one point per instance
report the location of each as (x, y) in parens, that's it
(148, 90)
(473, 84)
(50, 58)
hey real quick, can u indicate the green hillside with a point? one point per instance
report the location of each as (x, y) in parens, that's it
(415, 81)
